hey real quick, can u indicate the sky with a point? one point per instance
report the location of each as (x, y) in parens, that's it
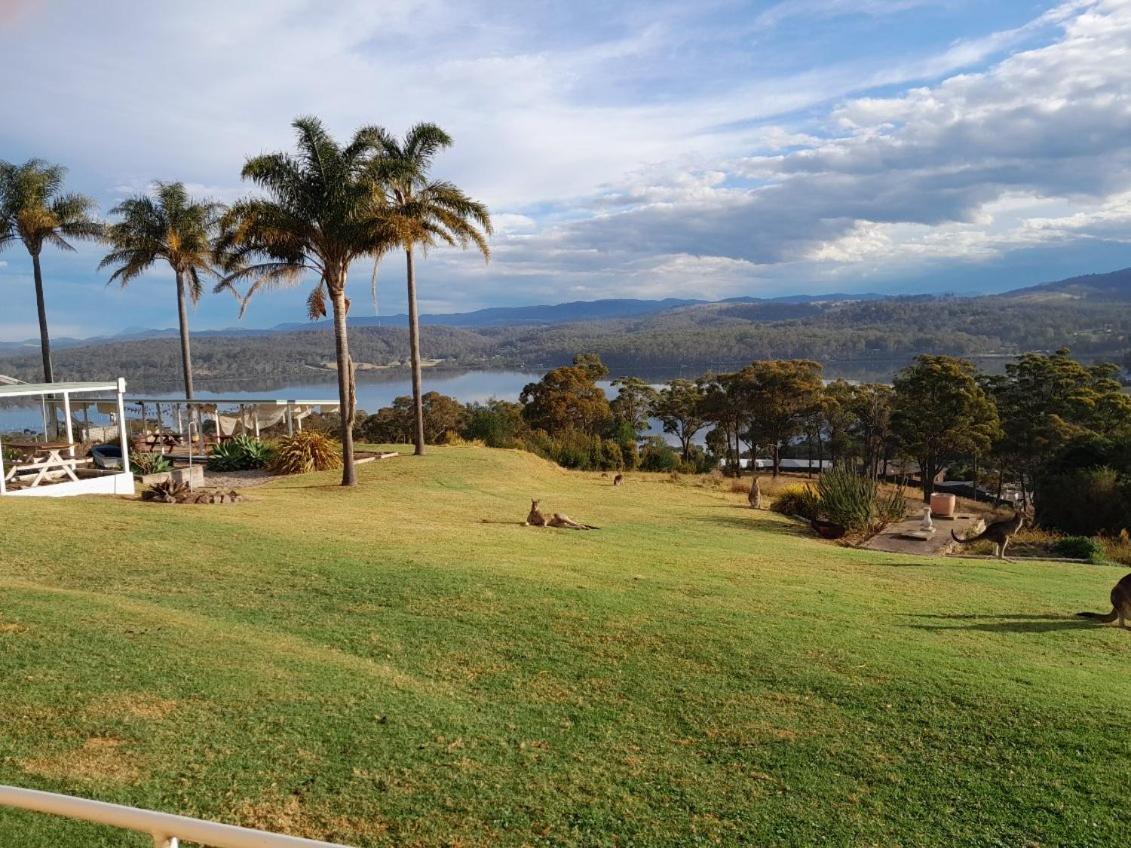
(637, 149)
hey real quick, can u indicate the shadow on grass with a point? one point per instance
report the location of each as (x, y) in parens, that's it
(1004, 623)
(752, 521)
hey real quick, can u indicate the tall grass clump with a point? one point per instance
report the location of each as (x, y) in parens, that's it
(797, 500)
(309, 450)
(858, 502)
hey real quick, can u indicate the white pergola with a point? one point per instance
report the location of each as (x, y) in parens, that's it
(113, 483)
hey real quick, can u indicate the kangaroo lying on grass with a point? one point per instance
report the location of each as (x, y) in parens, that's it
(536, 518)
(999, 532)
(1120, 605)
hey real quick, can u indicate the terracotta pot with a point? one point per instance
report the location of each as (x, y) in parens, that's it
(942, 505)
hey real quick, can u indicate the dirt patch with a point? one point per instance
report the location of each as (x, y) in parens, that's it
(9, 627)
(132, 704)
(292, 816)
(237, 479)
(101, 759)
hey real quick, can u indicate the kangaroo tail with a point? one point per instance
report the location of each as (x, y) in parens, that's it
(1096, 616)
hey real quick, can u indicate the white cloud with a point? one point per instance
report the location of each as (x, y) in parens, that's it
(655, 148)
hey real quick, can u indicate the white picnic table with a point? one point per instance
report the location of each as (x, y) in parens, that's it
(41, 459)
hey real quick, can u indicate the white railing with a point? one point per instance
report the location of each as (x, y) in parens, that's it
(165, 829)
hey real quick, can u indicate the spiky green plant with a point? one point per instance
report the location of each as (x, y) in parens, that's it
(857, 502)
(424, 212)
(242, 453)
(309, 450)
(171, 227)
(150, 463)
(321, 208)
(34, 210)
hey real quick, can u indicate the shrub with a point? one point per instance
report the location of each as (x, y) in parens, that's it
(857, 502)
(1118, 548)
(797, 500)
(847, 498)
(306, 451)
(1084, 502)
(658, 455)
(149, 463)
(241, 453)
(891, 506)
(1080, 547)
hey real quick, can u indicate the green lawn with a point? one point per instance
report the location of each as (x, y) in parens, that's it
(383, 666)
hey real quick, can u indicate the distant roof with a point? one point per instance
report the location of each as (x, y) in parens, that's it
(33, 389)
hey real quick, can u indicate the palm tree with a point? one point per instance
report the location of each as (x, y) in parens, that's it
(320, 211)
(423, 213)
(170, 227)
(34, 211)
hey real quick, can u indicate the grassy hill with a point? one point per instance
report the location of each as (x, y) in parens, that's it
(382, 667)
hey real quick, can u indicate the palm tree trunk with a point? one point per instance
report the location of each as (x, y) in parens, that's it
(182, 315)
(45, 340)
(44, 335)
(345, 383)
(414, 353)
(186, 361)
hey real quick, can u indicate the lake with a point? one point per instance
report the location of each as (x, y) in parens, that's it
(373, 392)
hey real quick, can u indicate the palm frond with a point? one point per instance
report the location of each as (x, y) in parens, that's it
(316, 302)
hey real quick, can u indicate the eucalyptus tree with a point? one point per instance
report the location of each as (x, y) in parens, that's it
(320, 209)
(423, 213)
(173, 228)
(35, 211)
(940, 413)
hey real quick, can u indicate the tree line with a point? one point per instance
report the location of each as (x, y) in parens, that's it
(318, 210)
(1047, 425)
(865, 341)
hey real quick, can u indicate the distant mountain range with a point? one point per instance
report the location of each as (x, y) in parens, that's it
(1088, 291)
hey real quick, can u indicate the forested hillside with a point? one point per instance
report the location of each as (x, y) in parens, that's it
(866, 339)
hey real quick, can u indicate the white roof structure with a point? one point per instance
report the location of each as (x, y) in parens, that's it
(18, 390)
(52, 469)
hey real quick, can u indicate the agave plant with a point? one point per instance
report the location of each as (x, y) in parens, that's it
(306, 451)
(242, 453)
(150, 463)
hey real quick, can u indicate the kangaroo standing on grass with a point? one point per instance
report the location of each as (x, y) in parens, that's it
(618, 479)
(1120, 605)
(999, 532)
(755, 496)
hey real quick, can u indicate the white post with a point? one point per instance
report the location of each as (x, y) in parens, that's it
(70, 429)
(3, 485)
(123, 437)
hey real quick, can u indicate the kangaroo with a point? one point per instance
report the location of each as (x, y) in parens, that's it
(562, 520)
(755, 496)
(1120, 605)
(618, 479)
(535, 518)
(999, 532)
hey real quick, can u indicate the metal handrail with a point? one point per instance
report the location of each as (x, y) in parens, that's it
(165, 828)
